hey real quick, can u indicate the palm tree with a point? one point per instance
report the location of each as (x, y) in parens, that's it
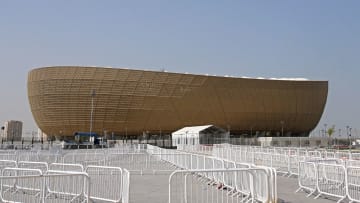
(330, 132)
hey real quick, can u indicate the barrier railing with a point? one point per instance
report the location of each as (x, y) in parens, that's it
(307, 178)
(66, 167)
(323, 178)
(138, 162)
(185, 187)
(72, 186)
(353, 183)
(42, 166)
(28, 185)
(24, 186)
(7, 163)
(97, 158)
(331, 180)
(125, 187)
(212, 170)
(146, 157)
(106, 183)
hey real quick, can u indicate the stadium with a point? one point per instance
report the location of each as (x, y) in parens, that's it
(121, 101)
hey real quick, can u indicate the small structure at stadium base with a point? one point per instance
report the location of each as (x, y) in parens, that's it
(195, 135)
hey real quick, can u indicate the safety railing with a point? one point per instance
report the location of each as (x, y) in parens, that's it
(331, 180)
(10, 187)
(66, 167)
(98, 157)
(138, 162)
(42, 166)
(323, 178)
(30, 185)
(307, 178)
(353, 183)
(219, 174)
(106, 183)
(61, 184)
(249, 185)
(125, 187)
(7, 163)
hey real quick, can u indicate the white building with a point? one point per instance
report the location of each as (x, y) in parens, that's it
(195, 135)
(13, 130)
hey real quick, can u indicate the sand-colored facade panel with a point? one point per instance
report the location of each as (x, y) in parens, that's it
(135, 101)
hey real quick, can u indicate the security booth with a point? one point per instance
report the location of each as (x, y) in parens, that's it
(203, 135)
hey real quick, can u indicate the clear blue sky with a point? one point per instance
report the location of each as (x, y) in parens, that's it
(319, 40)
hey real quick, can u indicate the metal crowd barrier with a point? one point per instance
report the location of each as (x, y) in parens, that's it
(71, 186)
(284, 160)
(24, 186)
(66, 167)
(249, 186)
(30, 185)
(42, 166)
(236, 184)
(125, 187)
(97, 158)
(327, 178)
(106, 183)
(138, 162)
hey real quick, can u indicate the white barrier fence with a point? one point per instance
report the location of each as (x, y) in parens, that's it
(108, 184)
(330, 173)
(224, 180)
(146, 157)
(30, 185)
(125, 187)
(138, 162)
(284, 160)
(193, 186)
(322, 178)
(107, 180)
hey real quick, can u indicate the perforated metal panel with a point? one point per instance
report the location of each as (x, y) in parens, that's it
(134, 101)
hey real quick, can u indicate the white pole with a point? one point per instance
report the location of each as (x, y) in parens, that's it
(92, 110)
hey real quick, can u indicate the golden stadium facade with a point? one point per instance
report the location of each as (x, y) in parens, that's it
(131, 102)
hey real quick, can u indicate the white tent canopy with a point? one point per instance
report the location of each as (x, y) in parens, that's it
(206, 134)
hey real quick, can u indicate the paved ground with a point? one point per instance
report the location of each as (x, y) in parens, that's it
(286, 192)
(150, 188)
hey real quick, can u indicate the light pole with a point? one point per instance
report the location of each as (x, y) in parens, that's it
(325, 126)
(350, 136)
(282, 128)
(347, 133)
(93, 93)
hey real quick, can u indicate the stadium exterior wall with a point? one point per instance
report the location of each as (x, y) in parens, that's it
(131, 102)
